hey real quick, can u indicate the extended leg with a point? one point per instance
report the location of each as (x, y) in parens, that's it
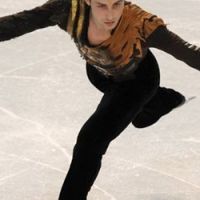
(112, 116)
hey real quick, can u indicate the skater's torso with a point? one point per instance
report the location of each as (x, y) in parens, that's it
(116, 54)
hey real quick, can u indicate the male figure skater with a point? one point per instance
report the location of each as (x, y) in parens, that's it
(114, 37)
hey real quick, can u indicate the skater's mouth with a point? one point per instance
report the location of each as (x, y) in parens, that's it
(110, 23)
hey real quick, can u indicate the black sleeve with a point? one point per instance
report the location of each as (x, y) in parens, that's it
(48, 14)
(167, 41)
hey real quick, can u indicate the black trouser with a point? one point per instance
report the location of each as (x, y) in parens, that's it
(120, 104)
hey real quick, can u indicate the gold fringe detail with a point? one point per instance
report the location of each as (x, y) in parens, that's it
(74, 9)
(81, 18)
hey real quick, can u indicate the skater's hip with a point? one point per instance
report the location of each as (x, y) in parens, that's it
(147, 72)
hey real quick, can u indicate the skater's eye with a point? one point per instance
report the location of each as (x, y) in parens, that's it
(101, 5)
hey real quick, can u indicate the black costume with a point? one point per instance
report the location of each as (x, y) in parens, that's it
(126, 72)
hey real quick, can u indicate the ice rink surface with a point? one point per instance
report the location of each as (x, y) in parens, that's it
(45, 98)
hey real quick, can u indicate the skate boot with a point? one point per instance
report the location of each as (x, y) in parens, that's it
(164, 101)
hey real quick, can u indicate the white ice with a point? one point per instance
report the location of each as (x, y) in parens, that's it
(45, 98)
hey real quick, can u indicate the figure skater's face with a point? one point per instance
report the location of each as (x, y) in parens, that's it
(105, 13)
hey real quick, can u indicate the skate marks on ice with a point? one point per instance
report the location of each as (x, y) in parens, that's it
(41, 131)
(48, 59)
(148, 180)
(40, 128)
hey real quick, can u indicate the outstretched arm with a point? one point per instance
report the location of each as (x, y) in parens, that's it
(48, 14)
(166, 40)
